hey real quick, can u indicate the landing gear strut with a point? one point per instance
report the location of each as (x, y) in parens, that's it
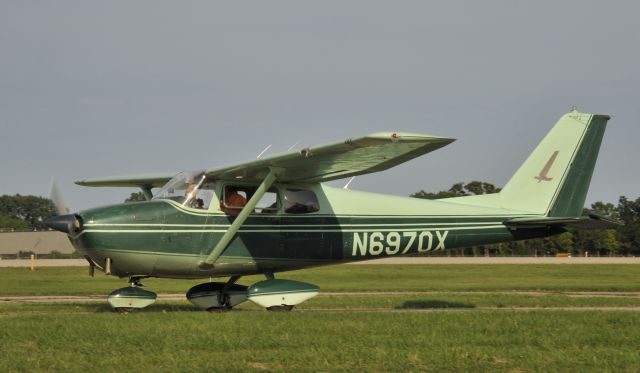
(135, 281)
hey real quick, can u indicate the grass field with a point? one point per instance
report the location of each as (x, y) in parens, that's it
(500, 277)
(509, 318)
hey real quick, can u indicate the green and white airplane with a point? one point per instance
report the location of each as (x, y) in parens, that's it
(274, 214)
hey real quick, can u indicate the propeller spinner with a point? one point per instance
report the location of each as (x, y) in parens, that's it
(63, 222)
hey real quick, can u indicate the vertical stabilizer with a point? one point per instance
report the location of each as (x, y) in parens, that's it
(554, 180)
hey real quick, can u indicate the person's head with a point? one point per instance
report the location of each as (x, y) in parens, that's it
(230, 190)
(190, 189)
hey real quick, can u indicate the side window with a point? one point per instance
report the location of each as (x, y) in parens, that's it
(300, 201)
(268, 204)
(234, 197)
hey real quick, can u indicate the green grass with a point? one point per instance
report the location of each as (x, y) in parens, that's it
(74, 280)
(250, 341)
(447, 300)
(456, 333)
(342, 302)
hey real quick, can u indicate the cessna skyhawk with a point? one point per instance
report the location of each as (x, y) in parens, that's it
(275, 214)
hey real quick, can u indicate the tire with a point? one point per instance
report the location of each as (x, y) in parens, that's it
(125, 310)
(281, 308)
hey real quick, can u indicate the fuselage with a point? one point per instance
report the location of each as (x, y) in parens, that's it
(162, 238)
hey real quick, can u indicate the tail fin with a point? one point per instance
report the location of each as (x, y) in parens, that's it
(554, 180)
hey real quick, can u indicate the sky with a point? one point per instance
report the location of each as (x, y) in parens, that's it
(95, 88)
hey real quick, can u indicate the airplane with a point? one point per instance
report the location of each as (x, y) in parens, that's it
(276, 214)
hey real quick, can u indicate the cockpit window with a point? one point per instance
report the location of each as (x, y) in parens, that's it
(190, 189)
(236, 196)
(300, 201)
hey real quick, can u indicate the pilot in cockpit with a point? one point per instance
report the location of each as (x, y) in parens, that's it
(234, 201)
(190, 195)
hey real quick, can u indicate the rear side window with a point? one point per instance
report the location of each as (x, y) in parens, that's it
(300, 201)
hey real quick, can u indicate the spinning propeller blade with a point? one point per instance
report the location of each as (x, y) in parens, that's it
(63, 222)
(56, 197)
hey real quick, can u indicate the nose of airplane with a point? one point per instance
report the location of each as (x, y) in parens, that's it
(70, 223)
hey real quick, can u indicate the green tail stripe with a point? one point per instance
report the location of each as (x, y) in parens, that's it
(573, 192)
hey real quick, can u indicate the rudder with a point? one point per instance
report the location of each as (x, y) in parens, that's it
(555, 178)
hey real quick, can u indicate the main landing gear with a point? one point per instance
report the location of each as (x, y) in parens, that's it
(131, 298)
(272, 294)
(218, 296)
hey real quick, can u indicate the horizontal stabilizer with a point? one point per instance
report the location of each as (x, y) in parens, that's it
(591, 221)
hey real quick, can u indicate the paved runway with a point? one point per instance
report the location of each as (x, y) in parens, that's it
(394, 260)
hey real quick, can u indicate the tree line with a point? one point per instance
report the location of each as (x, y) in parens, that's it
(624, 240)
(21, 213)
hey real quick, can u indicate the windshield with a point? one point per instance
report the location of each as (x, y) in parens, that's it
(188, 188)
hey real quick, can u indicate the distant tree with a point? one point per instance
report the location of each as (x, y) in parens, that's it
(429, 195)
(30, 209)
(7, 223)
(629, 234)
(562, 242)
(605, 209)
(135, 197)
(609, 242)
(480, 187)
(599, 242)
(460, 190)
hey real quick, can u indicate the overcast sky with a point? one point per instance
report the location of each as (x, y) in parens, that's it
(96, 88)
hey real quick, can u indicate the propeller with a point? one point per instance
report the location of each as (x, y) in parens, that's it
(63, 222)
(56, 197)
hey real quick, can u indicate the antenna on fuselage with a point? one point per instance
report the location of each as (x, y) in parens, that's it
(346, 186)
(293, 146)
(264, 151)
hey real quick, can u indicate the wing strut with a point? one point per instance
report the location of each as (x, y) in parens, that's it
(240, 219)
(146, 191)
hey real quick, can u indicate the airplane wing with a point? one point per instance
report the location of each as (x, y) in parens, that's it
(368, 154)
(141, 180)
